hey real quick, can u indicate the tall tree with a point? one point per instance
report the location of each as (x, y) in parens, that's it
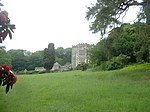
(106, 13)
(49, 57)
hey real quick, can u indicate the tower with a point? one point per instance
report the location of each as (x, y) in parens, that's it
(80, 54)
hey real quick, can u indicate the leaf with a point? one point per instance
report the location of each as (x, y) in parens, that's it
(7, 88)
(1, 40)
(11, 27)
(9, 33)
(11, 86)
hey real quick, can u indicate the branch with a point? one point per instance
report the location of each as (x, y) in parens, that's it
(125, 6)
(137, 3)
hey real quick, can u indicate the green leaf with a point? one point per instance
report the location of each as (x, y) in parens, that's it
(12, 27)
(9, 33)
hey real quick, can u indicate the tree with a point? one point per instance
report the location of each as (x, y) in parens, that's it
(35, 60)
(5, 58)
(19, 59)
(49, 57)
(63, 56)
(129, 43)
(98, 54)
(68, 52)
(106, 13)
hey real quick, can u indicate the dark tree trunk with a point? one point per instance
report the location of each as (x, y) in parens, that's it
(147, 12)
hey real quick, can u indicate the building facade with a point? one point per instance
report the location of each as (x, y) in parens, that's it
(80, 54)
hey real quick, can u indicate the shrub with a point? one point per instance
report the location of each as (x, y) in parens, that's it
(83, 66)
(117, 62)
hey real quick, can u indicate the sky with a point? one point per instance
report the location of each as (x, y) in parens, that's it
(40, 22)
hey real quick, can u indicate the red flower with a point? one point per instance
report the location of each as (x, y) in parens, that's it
(5, 67)
(14, 79)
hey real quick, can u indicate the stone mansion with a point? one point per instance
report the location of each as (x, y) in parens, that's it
(80, 54)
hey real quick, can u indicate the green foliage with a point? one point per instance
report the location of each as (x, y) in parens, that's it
(63, 56)
(19, 60)
(124, 45)
(78, 67)
(82, 66)
(98, 54)
(22, 59)
(35, 60)
(5, 58)
(117, 62)
(49, 57)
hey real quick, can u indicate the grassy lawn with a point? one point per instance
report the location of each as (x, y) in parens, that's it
(126, 90)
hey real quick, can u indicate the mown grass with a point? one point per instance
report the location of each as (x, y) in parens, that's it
(123, 90)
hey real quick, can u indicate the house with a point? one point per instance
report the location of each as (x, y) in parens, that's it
(40, 69)
(56, 67)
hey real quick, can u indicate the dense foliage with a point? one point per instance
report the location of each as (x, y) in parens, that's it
(35, 60)
(5, 58)
(63, 56)
(22, 59)
(124, 45)
(49, 57)
(83, 66)
(19, 60)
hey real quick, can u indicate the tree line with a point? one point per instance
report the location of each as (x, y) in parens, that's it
(19, 59)
(127, 44)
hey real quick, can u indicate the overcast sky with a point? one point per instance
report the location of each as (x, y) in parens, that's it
(40, 22)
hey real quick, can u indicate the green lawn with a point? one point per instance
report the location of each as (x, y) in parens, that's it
(80, 91)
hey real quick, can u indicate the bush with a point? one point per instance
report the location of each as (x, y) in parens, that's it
(115, 63)
(82, 66)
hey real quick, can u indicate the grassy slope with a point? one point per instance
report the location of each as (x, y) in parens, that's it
(126, 90)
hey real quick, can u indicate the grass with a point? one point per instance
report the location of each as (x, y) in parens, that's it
(125, 90)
